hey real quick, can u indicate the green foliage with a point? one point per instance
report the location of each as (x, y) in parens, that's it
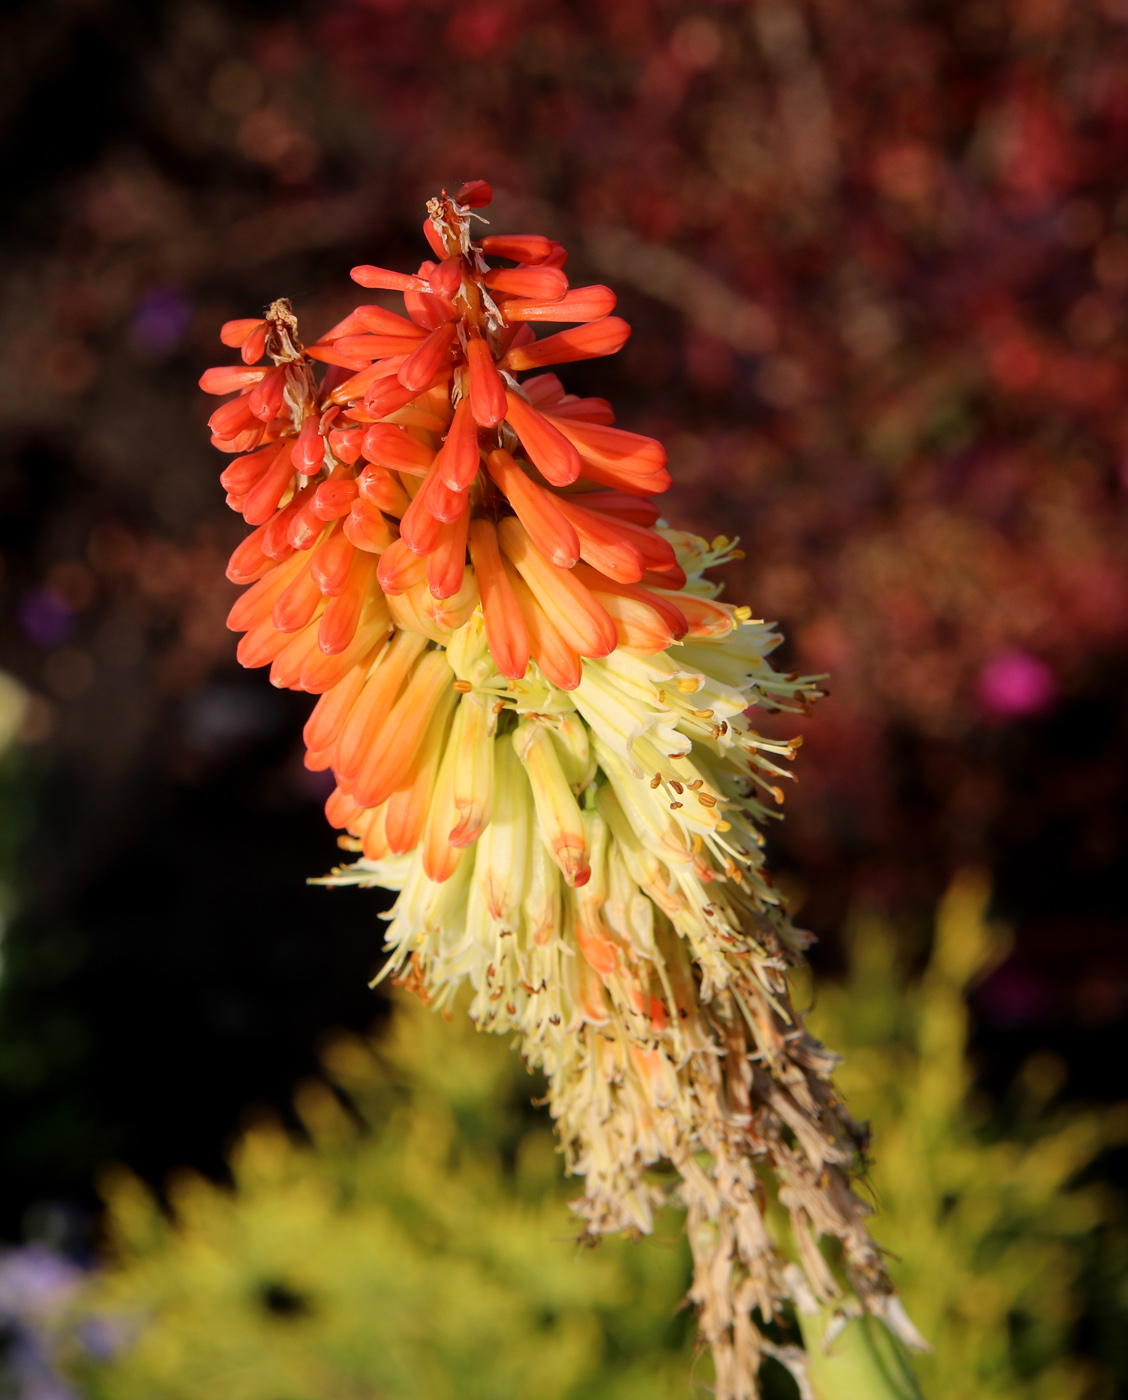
(986, 1229)
(419, 1244)
(429, 1253)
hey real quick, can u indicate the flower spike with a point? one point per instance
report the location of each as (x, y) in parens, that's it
(538, 714)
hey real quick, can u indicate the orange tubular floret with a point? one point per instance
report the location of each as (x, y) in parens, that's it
(256, 603)
(357, 387)
(380, 347)
(474, 194)
(517, 247)
(248, 562)
(459, 454)
(346, 444)
(226, 379)
(233, 421)
(549, 451)
(612, 447)
(418, 371)
(323, 727)
(409, 804)
(419, 529)
(487, 390)
(235, 333)
(366, 719)
(287, 667)
(446, 278)
(254, 347)
(400, 569)
(705, 618)
(580, 304)
(563, 666)
(536, 509)
(356, 352)
(261, 645)
(334, 498)
(308, 453)
(446, 564)
(543, 390)
(448, 614)
(387, 396)
(568, 604)
(588, 342)
(443, 503)
(387, 765)
(331, 564)
(340, 809)
(380, 321)
(621, 479)
(657, 552)
(276, 541)
(323, 670)
(534, 283)
(506, 632)
(640, 627)
(603, 543)
(298, 602)
(396, 450)
(380, 489)
(673, 615)
(440, 858)
(425, 308)
(239, 476)
(369, 276)
(304, 528)
(265, 399)
(341, 617)
(367, 528)
(370, 828)
(621, 506)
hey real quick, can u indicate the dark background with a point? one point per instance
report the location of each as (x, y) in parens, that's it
(876, 257)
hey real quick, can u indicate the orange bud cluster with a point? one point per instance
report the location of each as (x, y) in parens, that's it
(417, 477)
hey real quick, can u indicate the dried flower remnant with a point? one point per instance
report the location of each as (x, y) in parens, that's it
(536, 710)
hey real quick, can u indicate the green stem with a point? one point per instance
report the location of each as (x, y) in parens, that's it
(864, 1362)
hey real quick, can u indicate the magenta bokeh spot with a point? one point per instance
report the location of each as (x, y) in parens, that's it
(1014, 683)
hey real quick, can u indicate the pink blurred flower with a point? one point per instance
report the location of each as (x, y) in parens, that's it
(1014, 683)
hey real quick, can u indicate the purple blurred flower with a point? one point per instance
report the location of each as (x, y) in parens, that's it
(1014, 683)
(45, 618)
(161, 320)
(36, 1283)
(35, 1280)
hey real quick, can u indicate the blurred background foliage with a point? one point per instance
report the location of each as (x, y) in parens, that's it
(414, 1240)
(428, 1252)
(876, 257)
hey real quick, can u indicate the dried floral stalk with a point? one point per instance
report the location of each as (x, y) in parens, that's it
(536, 710)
